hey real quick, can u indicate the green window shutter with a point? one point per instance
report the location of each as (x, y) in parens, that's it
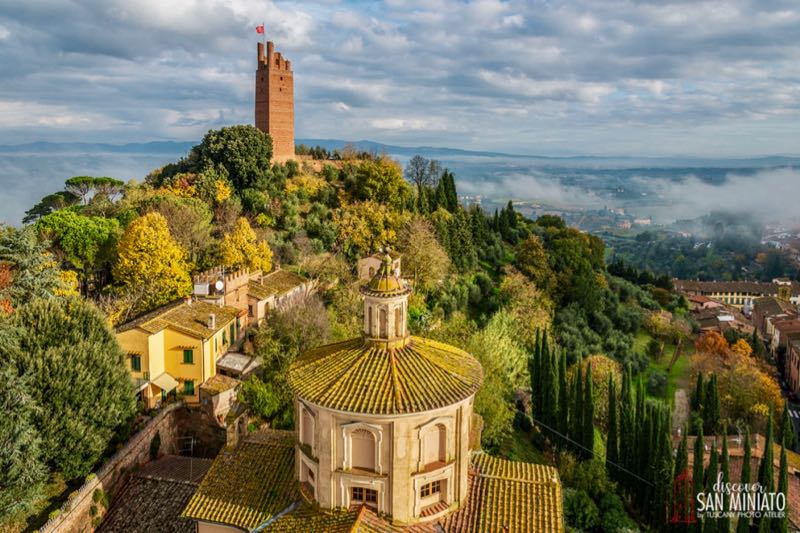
(136, 363)
(188, 356)
(224, 338)
(233, 337)
(188, 387)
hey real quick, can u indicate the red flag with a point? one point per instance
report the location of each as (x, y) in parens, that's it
(260, 28)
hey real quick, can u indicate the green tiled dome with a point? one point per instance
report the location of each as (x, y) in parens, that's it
(374, 378)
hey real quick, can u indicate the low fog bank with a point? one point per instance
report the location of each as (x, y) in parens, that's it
(770, 195)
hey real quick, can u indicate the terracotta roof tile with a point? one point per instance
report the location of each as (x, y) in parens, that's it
(249, 485)
(360, 377)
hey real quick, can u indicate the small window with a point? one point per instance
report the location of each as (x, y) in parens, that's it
(363, 495)
(188, 387)
(429, 489)
(188, 357)
(249, 310)
(310, 475)
(136, 363)
(224, 338)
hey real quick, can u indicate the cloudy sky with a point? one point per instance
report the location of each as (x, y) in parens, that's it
(539, 77)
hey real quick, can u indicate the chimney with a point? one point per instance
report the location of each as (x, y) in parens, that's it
(212, 321)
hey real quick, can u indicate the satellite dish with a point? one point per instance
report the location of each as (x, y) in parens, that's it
(219, 285)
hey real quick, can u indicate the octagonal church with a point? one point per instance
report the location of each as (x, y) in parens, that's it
(385, 440)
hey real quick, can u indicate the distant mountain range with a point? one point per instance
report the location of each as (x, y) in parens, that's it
(182, 147)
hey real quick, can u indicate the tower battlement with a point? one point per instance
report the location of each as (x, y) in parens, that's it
(274, 110)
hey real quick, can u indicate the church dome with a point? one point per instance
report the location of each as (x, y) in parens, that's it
(370, 378)
(386, 371)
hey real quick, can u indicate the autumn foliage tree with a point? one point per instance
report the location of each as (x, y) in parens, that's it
(242, 248)
(745, 386)
(151, 266)
(424, 259)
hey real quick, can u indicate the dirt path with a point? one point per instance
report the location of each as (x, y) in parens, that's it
(680, 412)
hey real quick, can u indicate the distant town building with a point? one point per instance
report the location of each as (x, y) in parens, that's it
(174, 349)
(739, 293)
(767, 310)
(274, 108)
(383, 441)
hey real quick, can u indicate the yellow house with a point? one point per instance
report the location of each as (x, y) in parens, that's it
(173, 350)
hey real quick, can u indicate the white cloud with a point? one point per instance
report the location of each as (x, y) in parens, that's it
(582, 76)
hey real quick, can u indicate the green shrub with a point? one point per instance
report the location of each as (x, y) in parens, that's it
(580, 511)
(54, 514)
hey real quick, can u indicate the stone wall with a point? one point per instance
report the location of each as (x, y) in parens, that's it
(172, 424)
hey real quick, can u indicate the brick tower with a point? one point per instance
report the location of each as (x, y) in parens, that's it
(275, 101)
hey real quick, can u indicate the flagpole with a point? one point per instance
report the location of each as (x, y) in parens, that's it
(264, 34)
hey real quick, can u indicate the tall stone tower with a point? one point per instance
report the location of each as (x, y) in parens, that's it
(275, 100)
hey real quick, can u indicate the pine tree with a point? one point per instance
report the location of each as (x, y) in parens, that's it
(766, 472)
(781, 525)
(743, 523)
(697, 471)
(787, 435)
(612, 447)
(588, 415)
(724, 523)
(711, 406)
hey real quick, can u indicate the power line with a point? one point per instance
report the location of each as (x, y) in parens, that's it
(579, 445)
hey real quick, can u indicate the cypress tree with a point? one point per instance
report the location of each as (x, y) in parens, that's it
(627, 432)
(533, 371)
(588, 415)
(563, 395)
(724, 523)
(577, 411)
(710, 524)
(697, 471)
(612, 447)
(551, 406)
(766, 473)
(711, 407)
(787, 435)
(664, 473)
(684, 499)
(743, 523)
(782, 524)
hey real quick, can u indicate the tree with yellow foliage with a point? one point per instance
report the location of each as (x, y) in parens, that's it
(151, 266)
(241, 248)
(742, 348)
(366, 226)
